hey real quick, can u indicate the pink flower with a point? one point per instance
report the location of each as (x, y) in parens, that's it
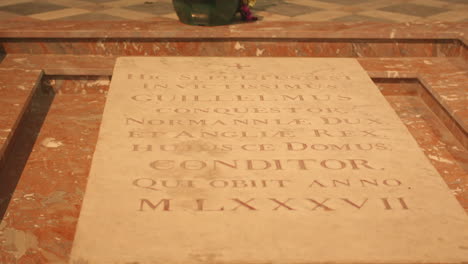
(246, 14)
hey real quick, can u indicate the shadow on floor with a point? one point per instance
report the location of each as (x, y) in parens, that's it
(2, 53)
(22, 143)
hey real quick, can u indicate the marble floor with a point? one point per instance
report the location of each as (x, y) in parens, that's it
(392, 11)
(54, 78)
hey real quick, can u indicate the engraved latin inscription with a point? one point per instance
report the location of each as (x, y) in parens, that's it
(248, 160)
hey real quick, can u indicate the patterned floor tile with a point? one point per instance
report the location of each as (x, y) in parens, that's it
(72, 4)
(265, 16)
(315, 3)
(12, 2)
(98, 1)
(123, 3)
(127, 14)
(346, 2)
(95, 8)
(451, 16)
(357, 18)
(171, 16)
(291, 10)
(436, 3)
(414, 10)
(351, 9)
(92, 17)
(26, 9)
(395, 17)
(155, 8)
(374, 5)
(326, 15)
(262, 5)
(457, 1)
(59, 13)
(396, 11)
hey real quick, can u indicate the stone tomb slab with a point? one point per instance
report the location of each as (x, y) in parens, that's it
(260, 160)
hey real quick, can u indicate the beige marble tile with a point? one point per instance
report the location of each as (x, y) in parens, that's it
(389, 15)
(450, 16)
(12, 2)
(379, 4)
(434, 3)
(317, 4)
(71, 3)
(459, 7)
(126, 14)
(59, 14)
(266, 16)
(366, 9)
(171, 16)
(120, 3)
(321, 16)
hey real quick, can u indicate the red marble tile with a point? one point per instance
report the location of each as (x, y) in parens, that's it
(171, 38)
(62, 64)
(444, 80)
(310, 47)
(260, 29)
(47, 199)
(16, 89)
(447, 155)
(398, 87)
(464, 51)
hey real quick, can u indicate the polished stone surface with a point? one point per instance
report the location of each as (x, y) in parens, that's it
(55, 140)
